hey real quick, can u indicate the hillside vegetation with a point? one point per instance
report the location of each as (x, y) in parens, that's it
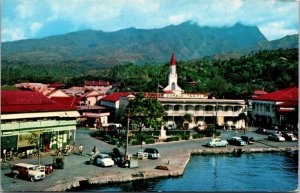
(139, 46)
(232, 78)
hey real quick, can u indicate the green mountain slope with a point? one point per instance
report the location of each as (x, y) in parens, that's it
(287, 42)
(188, 40)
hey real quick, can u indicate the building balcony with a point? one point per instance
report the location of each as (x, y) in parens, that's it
(205, 113)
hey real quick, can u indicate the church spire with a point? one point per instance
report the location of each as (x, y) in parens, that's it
(173, 61)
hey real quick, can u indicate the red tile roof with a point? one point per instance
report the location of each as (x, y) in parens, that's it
(288, 104)
(288, 94)
(17, 101)
(68, 101)
(55, 85)
(115, 96)
(95, 83)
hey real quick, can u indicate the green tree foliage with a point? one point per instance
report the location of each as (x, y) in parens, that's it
(228, 78)
(145, 112)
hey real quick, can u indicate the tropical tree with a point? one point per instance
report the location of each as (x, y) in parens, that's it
(145, 112)
(186, 119)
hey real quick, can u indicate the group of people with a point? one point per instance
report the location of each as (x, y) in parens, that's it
(70, 148)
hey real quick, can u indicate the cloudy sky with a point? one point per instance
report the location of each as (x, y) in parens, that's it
(24, 19)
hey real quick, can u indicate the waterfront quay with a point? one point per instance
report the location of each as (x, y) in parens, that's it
(174, 156)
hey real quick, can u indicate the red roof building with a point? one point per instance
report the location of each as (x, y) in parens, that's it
(17, 101)
(27, 114)
(276, 108)
(258, 93)
(288, 94)
(96, 83)
(113, 97)
(68, 101)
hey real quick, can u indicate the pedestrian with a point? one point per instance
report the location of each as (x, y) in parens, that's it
(58, 152)
(95, 151)
(4, 155)
(80, 149)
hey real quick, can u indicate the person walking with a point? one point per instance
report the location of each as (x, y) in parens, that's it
(80, 149)
(95, 151)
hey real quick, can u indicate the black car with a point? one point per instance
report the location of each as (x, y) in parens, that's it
(247, 139)
(261, 131)
(236, 141)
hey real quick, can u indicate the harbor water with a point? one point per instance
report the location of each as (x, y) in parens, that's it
(210, 173)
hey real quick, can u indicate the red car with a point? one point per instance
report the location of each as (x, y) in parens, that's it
(48, 168)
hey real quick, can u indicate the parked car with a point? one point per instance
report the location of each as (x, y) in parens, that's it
(28, 171)
(276, 137)
(290, 137)
(216, 142)
(236, 141)
(152, 153)
(247, 139)
(261, 131)
(102, 159)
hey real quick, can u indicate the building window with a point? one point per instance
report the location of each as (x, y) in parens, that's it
(176, 108)
(209, 108)
(173, 86)
(228, 108)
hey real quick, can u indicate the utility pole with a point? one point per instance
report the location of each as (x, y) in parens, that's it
(127, 129)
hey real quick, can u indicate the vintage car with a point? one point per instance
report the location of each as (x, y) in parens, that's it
(102, 160)
(289, 137)
(247, 139)
(152, 153)
(236, 141)
(276, 137)
(216, 142)
(28, 171)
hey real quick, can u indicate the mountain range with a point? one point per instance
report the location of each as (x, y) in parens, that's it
(188, 40)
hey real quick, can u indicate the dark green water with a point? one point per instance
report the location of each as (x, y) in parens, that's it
(250, 172)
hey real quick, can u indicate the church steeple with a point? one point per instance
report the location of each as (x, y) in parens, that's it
(172, 86)
(173, 61)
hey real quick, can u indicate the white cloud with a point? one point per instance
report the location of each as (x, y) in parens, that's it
(177, 19)
(276, 30)
(109, 15)
(12, 34)
(35, 27)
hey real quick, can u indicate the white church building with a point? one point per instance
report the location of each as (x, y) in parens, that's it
(203, 110)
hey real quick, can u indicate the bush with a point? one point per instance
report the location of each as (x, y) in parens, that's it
(196, 136)
(218, 133)
(149, 141)
(135, 142)
(185, 137)
(114, 141)
(178, 132)
(106, 137)
(175, 138)
(54, 146)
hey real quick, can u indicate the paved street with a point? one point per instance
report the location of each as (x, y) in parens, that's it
(76, 167)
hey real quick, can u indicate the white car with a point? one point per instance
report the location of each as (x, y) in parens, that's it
(103, 160)
(216, 142)
(276, 137)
